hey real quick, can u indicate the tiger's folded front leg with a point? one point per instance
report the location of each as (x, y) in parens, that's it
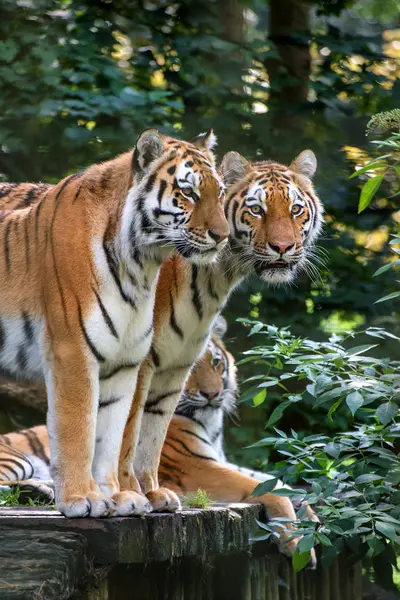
(72, 381)
(160, 499)
(115, 403)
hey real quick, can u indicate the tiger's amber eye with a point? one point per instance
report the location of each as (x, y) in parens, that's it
(256, 209)
(187, 191)
(296, 209)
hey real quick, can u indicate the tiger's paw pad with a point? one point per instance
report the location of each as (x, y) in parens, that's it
(163, 500)
(93, 505)
(129, 503)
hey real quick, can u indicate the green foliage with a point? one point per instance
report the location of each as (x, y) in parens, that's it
(14, 496)
(199, 499)
(9, 497)
(386, 164)
(352, 476)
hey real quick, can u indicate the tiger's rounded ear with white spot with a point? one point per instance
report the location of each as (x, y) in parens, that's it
(234, 167)
(220, 326)
(149, 147)
(205, 141)
(305, 164)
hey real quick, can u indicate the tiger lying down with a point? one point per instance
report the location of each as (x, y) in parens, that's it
(193, 455)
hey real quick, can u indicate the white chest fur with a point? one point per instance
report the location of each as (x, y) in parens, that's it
(119, 326)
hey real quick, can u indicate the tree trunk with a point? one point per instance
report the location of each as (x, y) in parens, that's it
(232, 20)
(30, 395)
(289, 30)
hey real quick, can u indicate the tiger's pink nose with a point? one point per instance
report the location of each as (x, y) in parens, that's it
(209, 394)
(281, 247)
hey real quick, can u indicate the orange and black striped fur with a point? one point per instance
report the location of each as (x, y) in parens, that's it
(274, 216)
(79, 267)
(192, 454)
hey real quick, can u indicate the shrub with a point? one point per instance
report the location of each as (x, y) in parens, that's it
(351, 477)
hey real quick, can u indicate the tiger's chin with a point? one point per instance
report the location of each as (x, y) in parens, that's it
(277, 273)
(198, 257)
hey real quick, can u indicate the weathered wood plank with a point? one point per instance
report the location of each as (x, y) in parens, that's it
(40, 565)
(156, 537)
(192, 555)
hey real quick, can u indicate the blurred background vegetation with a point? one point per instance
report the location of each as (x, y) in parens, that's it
(80, 79)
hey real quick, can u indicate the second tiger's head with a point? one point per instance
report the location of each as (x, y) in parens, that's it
(274, 214)
(179, 195)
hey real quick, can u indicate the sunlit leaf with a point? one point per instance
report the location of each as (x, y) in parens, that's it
(259, 398)
(368, 191)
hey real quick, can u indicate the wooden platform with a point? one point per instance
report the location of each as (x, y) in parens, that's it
(192, 555)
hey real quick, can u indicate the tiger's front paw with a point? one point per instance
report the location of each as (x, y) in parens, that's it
(163, 500)
(129, 503)
(94, 504)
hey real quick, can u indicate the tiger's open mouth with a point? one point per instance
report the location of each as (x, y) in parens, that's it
(260, 266)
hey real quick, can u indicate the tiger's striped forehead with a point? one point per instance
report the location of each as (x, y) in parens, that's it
(192, 166)
(264, 185)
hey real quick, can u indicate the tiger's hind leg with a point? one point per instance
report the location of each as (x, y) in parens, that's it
(223, 484)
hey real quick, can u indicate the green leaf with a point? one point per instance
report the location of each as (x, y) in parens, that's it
(277, 413)
(360, 349)
(332, 449)
(256, 328)
(270, 383)
(265, 487)
(299, 561)
(368, 191)
(323, 539)
(376, 545)
(387, 529)
(386, 412)
(333, 408)
(386, 267)
(354, 401)
(368, 167)
(287, 492)
(388, 297)
(305, 544)
(367, 478)
(259, 398)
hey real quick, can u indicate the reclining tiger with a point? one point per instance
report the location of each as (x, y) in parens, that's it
(193, 455)
(274, 216)
(79, 270)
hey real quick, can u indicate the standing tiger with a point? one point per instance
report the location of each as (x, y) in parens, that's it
(274, 216)
(192, 454)
(79, 269)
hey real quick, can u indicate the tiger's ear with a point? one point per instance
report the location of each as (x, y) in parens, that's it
(234, 166)
(220, 326)
(205, 141)
(305, 164)
(149, 147)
